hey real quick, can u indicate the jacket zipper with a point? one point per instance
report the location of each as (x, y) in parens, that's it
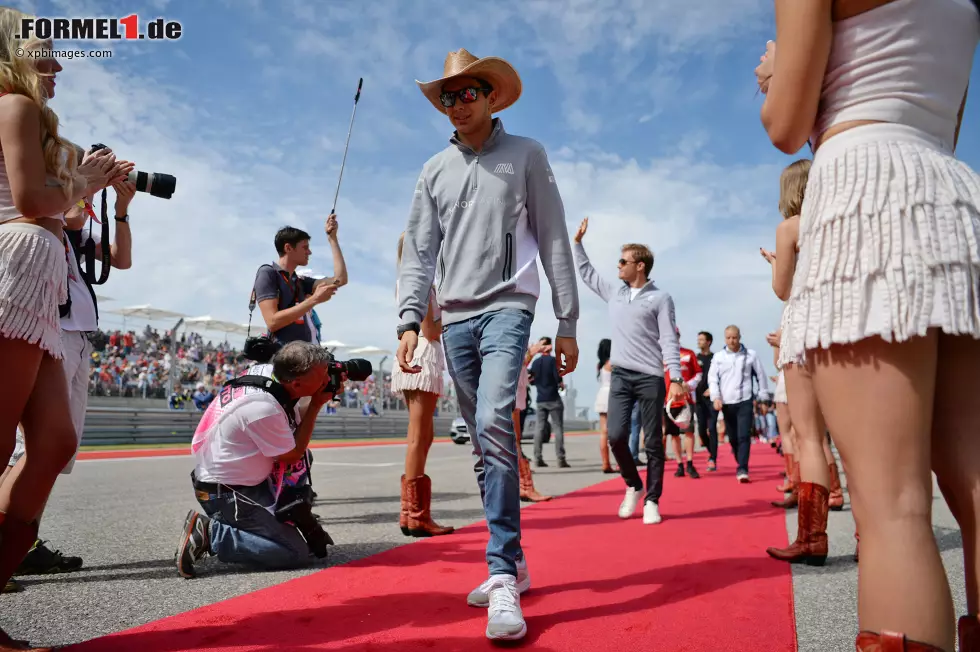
(508, 256)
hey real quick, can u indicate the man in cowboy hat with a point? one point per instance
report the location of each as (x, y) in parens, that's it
(484, 209)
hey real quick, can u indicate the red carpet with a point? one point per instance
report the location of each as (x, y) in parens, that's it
(699, 581)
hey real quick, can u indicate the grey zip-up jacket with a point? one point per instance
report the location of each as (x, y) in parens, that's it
(644, 333)
(478, 223)
(730, 376)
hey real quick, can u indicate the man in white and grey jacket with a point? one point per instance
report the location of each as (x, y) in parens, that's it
(730, 383)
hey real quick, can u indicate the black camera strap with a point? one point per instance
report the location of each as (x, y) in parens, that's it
(88, 248)
(270, 386)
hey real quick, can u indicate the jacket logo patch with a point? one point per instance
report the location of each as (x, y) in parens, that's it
(504, 168)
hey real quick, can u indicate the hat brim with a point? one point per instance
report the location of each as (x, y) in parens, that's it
(497, 72)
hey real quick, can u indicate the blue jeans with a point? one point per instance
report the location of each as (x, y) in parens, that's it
(484, 357)
(635, 431)
(244, 532)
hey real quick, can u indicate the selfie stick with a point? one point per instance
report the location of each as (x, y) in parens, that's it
(351, 128)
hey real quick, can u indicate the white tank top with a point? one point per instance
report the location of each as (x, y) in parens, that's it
(605, 377)
(906, 62)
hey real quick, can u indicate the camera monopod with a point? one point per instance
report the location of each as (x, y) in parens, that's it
(357, 96)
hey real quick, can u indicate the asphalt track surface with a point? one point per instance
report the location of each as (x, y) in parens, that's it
(123, 516)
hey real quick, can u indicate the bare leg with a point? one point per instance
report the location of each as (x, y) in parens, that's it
(49, 439)
(956, 448)
(689, 446)
(809, 425)
(877, 398)
(421, 408)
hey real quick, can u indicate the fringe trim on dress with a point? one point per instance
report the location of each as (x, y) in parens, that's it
(430, 357)
(33, 283)
(888, 246)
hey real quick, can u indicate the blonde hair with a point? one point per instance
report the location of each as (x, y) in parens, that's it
(19, 76)
(792, 187)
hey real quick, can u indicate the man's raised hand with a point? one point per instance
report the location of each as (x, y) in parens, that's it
(582, 228)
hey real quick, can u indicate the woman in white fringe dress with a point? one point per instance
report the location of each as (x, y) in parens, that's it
(886, 294)
(39, 182)
(604, 372)
(421, 392)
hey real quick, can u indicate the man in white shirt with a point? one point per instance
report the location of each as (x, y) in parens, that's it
(730, 383)
(79, 318)
(244, 440)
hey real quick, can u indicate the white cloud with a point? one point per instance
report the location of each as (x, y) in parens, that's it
(197, 252)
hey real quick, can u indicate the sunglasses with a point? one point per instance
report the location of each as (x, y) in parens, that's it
(465, 95)
(624, 262)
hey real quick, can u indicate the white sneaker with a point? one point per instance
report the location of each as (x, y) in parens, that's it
(480, 596)
(505, 620)
(742, 477)
(651, 513)
(628, 506)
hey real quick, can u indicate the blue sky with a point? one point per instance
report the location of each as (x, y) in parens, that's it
(648, 110)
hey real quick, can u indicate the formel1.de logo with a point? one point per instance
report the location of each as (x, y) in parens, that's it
(100, 29)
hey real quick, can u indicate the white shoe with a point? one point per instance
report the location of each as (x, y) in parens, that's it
(628, 506)
(651, 513)
(505, 620)
(742, 477)
(480, 596)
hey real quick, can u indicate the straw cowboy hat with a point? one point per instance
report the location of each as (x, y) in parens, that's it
(497, 72)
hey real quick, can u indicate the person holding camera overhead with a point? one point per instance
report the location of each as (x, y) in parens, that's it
(79, 318)
(286, 299)
(248, 436)
(40, 179)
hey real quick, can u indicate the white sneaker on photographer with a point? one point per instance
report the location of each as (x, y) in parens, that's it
(505, 620)
(480, 596)
(651, 513)
(628, 506)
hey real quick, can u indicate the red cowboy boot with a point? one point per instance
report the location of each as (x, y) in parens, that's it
(788, 484)
(528, 493)
(836, 499)
(968, 628)
(420, 523)
(810, 546)
(403, 517)
(792, 500)
(890, 642)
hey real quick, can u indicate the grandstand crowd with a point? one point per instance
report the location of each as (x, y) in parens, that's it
(131, 364)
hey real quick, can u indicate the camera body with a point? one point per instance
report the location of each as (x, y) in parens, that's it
(263, 348)
(155, 183)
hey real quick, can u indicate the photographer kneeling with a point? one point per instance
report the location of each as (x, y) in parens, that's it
(246, 439)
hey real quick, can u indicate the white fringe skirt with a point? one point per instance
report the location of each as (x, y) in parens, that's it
(33, 283)
(430, 357)
(888, 242)
(780, 394)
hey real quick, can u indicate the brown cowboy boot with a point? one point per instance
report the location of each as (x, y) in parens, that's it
(810, 546)
(16, 538)
(604, 452)
(968, 628)
(890, 642)
(836, 499)
(788, 484)
(420, 523)
(793, 499)
(528, 493)
(403, 517)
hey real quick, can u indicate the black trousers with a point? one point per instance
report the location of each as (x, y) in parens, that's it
(708, 426)
(738, 427)
(626, 389)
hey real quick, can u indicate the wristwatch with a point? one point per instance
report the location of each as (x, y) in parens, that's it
(680, 381)
(414, 326)
(123, 218)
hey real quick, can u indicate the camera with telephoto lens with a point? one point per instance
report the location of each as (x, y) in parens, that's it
(355, 369)
(155, 183)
